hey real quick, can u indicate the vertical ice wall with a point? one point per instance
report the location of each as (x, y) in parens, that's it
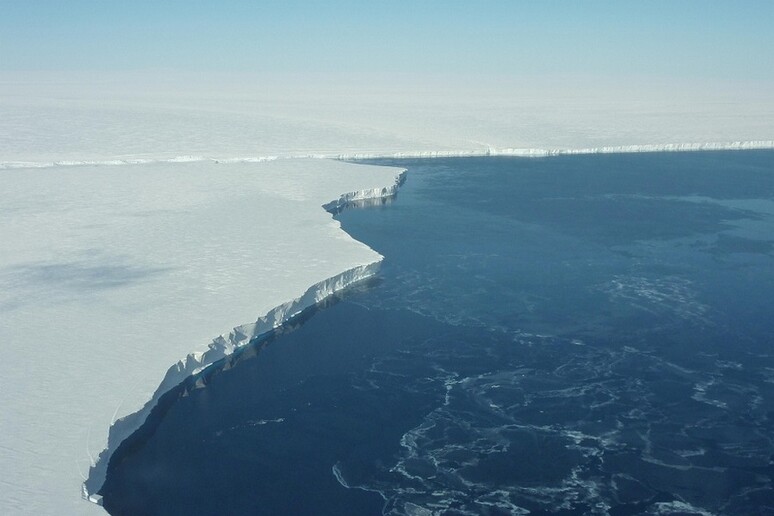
(113, 274)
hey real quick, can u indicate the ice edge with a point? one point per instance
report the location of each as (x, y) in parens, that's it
(226, 344)
(489, 151)
(539, 153)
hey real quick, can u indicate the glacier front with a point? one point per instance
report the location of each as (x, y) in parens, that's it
(114, 274)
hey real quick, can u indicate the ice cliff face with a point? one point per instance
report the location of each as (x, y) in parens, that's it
(540, 153)
(126, 273)
(365, 195)
(226, 344)
(487, 151)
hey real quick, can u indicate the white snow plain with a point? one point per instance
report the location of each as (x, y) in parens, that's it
(117, 281)
(47, 119)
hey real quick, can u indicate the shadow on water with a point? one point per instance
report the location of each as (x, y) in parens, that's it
(302, 418)
(204, 377)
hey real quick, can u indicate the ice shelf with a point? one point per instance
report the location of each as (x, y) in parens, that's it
(50, 119)
(113, 274)
(463, 153)
(140, 222)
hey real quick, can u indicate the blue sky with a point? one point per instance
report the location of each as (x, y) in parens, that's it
(709, 39)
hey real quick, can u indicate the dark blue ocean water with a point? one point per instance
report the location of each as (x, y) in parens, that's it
(568, 335)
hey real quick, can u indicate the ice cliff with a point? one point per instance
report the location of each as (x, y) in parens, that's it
(126, 271)
(540, 153)
(226, 344)
(486, 150)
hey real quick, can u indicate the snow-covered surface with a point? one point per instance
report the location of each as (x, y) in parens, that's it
(113, 274)
(114, 279)
(45, 119)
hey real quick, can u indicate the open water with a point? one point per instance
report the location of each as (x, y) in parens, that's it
(568, 335)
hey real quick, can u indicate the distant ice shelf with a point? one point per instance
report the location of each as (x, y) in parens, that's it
(488, 151)
(541, 153)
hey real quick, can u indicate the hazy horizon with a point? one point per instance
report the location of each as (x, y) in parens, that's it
(663, 41)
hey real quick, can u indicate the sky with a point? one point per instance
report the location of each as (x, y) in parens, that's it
(694, 39)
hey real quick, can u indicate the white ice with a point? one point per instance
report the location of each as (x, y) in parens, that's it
(69, 119)
(110, 275)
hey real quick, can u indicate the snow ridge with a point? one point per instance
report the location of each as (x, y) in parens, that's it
(226, 344)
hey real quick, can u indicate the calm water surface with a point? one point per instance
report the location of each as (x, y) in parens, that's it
(569, 335)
